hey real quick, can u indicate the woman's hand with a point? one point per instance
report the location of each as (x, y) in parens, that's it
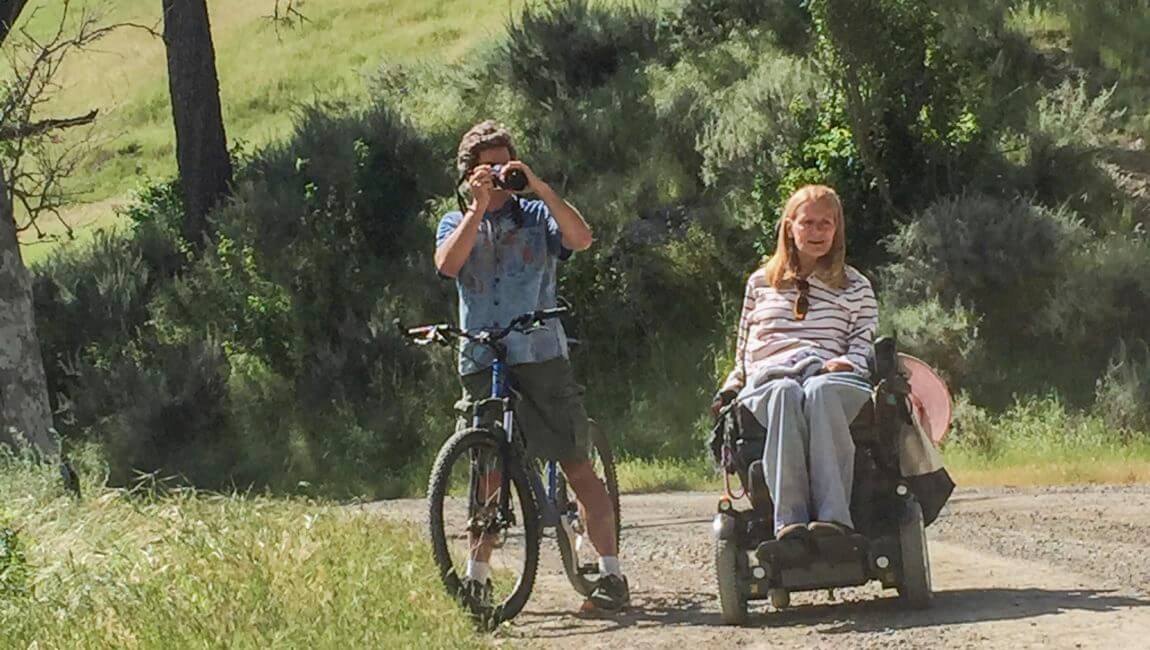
(721, 399)
(838, 366)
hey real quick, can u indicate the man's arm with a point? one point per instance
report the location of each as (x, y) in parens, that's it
(452, 254)
(576, 232)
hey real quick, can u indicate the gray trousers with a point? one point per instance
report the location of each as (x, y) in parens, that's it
(808, 459)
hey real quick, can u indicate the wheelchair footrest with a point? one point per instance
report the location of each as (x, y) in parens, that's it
(802, 553)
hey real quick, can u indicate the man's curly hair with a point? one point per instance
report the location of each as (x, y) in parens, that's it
(488, 134)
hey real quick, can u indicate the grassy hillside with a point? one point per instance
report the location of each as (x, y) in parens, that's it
(264, 74)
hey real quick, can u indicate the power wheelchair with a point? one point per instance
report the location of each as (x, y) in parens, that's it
(890, 510)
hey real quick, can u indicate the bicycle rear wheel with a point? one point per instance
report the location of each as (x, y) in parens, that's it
(580, 560)
(481, 506)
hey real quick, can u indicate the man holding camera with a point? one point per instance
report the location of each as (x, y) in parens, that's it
(502, 251)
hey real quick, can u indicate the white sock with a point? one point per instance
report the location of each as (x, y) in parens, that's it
(609, 565)
(478, 571)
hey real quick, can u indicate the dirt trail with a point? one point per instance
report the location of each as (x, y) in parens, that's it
(1060, 568)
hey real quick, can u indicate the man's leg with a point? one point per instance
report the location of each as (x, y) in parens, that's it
(476, 387)
(595, 505)
(832, 401)
(555, 424)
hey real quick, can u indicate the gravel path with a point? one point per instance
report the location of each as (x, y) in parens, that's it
(1053, 568)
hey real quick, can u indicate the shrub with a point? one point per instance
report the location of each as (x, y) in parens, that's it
(159, 408)
(564, 48)
(947, 339)
(1123, 393)
(999, 257)
(704, 23)
(1102, 296)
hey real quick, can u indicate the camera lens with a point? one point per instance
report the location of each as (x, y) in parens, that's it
(515, 180)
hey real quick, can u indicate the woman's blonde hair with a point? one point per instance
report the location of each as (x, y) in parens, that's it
(783, 266)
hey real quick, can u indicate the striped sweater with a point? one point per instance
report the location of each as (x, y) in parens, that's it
(839, 326)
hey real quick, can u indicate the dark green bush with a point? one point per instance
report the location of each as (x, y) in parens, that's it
(566, 47)
(160, 408)
(1103, 296)
(1000, 257)
(1122, 396)
(703, 23)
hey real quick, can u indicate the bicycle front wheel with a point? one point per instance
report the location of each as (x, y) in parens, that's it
(580, 560)
(481, 509)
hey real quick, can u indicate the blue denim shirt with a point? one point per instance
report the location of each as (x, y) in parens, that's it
(511, 271)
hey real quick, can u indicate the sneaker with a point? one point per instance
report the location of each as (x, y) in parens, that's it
(611, 593)
(829, 529)
(476, 594)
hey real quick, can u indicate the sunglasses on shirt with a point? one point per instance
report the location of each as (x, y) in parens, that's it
(803, 300)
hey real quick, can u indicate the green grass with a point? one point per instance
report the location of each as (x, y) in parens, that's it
(264, 75)
(1042, 442)
(122, 570)
(643, 476)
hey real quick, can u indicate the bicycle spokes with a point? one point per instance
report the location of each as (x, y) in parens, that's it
(483, 520)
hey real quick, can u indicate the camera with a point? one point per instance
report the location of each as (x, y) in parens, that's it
(515, 180)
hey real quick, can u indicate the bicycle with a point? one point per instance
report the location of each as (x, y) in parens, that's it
(506, 500)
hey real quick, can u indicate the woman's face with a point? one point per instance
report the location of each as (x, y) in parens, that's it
(813, 229)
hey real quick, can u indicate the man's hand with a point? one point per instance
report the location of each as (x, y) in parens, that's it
(576, 232)
(481, 183)
(534, 184)
(838, 366)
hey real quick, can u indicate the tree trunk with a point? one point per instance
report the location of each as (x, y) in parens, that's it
(24, 409)
(201, 146)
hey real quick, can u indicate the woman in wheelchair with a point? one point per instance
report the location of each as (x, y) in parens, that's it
(805, 334)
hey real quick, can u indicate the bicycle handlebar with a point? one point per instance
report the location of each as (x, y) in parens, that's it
(443, 332)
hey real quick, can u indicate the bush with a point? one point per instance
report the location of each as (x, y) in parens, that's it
(947, 339)
(1102, 296)
(704, 23)
(565, 48)
(160, 408)
(999, 257)
(1123, 393)
(1069, 128)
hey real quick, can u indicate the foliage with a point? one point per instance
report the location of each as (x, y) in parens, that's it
(1123, 393)
(563, 49)
(999, 257)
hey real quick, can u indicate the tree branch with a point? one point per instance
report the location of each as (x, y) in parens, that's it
(32, 129)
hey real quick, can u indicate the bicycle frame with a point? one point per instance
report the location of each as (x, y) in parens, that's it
(545, 498)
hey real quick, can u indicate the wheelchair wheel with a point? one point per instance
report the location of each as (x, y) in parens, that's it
(732, 603)
(915, 587)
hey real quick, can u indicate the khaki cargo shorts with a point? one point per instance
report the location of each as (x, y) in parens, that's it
(550, 413)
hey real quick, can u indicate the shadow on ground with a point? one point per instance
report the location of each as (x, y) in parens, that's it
(697, 609)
